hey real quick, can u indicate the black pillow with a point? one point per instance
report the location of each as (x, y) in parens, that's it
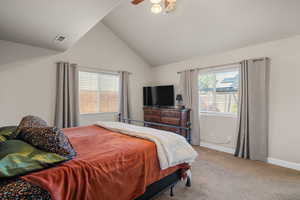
(28, 121)
(48, 139)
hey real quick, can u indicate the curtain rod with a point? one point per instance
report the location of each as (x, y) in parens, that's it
(102, 70)
(222, 65)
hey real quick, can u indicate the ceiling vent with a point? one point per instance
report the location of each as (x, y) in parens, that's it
(60, 38)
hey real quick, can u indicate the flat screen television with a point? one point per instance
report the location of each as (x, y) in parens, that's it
(162, 96)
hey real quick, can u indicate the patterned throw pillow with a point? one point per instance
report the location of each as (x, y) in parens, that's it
(28, 121)
(18, 188)
(48, 139)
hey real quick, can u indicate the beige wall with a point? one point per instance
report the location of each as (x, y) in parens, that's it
(27, 79)
(27, 74)
(284, 108)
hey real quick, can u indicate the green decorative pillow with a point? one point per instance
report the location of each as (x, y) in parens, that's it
(2, 139)
(19, 158)
(6, 131)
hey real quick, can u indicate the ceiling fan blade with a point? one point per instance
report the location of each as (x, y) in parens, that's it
(170, 5)
(167, 3)
(135, 2)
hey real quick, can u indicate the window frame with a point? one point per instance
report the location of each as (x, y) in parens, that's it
(92, 70)
(216, 70)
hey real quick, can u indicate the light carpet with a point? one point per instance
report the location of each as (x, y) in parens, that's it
(221, 176)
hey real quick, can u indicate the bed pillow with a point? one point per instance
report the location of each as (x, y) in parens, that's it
(48, 139)
(2, 139)
(28, 121)
(19, 158)
(6, 131)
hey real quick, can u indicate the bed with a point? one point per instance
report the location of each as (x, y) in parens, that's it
(108, 166)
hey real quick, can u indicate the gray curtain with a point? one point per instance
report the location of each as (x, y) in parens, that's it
(190, 93)
(124, 95)
(252, 138)
(67, 98)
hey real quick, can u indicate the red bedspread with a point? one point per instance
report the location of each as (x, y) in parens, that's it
(108, 166)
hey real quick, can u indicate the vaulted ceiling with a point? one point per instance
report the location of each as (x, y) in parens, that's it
(196, 28)
(38, 22)
(202, 27)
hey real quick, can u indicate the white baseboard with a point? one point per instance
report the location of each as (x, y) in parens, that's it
(274, 161)
(217, 147)
(283, 163)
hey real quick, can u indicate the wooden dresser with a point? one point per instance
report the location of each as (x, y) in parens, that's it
(170, 116)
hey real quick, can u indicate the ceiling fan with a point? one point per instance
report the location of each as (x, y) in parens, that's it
(169, 5)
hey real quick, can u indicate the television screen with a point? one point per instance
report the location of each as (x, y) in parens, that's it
(147, 96)
(159, 96)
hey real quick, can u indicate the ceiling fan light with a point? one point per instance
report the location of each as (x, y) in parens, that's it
(155, 1)
(156, 8)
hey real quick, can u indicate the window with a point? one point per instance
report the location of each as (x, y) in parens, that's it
(218, 91)
(98, 92)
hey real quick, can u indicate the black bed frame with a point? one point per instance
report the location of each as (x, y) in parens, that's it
(163, 185)
(169, 181)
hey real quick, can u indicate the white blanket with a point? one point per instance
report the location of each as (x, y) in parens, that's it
(172, 149)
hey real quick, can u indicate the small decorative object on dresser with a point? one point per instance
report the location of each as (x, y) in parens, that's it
(179, 101)
(173, 116)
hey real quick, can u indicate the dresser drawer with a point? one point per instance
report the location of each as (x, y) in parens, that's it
(167, 116)
(152, 112)
(152, 118)
(170, 120)
(169, 113)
